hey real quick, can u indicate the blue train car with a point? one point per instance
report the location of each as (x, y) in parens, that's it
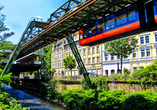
(123, 23)
(151, 14)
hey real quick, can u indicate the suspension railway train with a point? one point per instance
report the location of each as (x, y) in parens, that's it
(132, 20)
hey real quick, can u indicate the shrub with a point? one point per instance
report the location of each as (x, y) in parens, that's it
(115, 76)
(137, 102)
(100, 82)
(126, 71)
(50, 86)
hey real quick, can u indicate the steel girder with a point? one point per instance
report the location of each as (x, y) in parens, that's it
(79, 59)
(86, 13)
(32, 30)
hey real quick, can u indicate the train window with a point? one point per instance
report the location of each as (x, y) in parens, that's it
(85, 32)
(80, 35)
(156, 5)
(132, 15)
(121, 19)
(110, 23)
(100, 27)
(92, 30)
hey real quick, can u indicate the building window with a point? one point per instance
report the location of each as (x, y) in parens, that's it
(88, 51)
(155, 37)
(112, 57)
(142, 40)
(59, 50)
(147, 39)
(59, 57)
(89, 61)
(99, 71)
(55, 51)
(106, 56)
(94, 70)
(93, 60)
(148, 52)
(134, 53)
(156, 51)
(55, 58)
(93, 50)
(89, 70)
(59, 65)
(112, 71)
(84, 61)
(106, 72)
(55, 65)
(84, 52)
(98, 49)
(142, 53)
(67, 48)
(98, 60)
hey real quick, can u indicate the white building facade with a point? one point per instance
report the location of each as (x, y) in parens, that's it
(111, 64)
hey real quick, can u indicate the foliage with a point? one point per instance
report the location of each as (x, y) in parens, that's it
(121, 48)
(81, 99)
(146, 76)
(51, 71)
(50, 87)
(84, 83)
(47, 51)
(7, 103)
(5, 46)
(5, 79)
(68, 77)
(69, 63)
(100, 82)
(36, 73)
(126, 71)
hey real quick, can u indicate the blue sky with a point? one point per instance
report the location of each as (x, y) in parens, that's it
(19, 12)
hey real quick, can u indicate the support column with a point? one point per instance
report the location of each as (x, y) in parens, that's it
(79, 60)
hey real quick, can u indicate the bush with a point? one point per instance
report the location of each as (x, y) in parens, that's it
(147, 75)
(115, 76)
(126, 71)
(100, 82)
(50, 87)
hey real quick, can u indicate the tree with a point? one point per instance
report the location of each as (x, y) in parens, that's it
(51, 71)
(47, 52)
(69, 62)
(5, 46)
(121, 48)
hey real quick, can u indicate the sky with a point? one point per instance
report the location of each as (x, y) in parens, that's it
(19, 12)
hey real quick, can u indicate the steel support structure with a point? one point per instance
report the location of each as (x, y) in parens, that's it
(30, 32)
(79, 60)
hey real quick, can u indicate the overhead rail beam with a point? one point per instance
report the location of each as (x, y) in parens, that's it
(32, 30)
(87, 12)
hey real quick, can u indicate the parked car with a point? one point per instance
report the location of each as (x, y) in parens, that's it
(93, 74)
(78, 76)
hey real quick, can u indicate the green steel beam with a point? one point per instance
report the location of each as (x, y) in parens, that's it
(28, 34)
(79, 59)
(64, 9)
(89, 12)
